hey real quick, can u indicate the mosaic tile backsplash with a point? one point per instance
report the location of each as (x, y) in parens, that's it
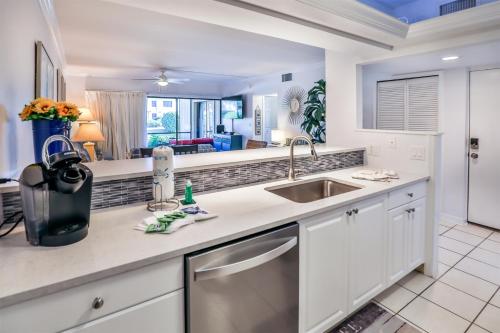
(127, 191)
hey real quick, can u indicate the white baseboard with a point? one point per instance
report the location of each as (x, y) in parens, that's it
(452, 219)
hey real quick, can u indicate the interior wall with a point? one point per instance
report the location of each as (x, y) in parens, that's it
(455, 133)
(270, 85)
(21, 24)
(342, 124)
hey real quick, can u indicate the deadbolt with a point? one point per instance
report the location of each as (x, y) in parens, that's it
(474, 143)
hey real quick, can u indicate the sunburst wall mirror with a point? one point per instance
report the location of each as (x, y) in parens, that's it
(293, 101)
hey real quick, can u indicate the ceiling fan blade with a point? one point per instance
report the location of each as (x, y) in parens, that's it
(178, 81)
(145, 79)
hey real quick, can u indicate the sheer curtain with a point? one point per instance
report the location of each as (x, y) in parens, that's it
(122, 116)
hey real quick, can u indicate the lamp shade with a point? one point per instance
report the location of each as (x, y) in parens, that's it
(277, 135)
(88, 132)
(85, 115)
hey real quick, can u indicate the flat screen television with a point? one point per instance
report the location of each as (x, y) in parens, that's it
(232, 107)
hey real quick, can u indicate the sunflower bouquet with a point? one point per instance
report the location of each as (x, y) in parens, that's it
(44, 108)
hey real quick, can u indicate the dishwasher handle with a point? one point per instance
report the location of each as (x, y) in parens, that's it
(219, 271)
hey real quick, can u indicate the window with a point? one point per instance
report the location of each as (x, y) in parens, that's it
(409, 105)
(180, 119)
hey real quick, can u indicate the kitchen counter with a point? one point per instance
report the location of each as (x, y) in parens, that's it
(112, 245)
(123, 169)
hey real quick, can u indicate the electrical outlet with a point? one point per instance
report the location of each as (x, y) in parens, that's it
(417, 153)
(392, 142)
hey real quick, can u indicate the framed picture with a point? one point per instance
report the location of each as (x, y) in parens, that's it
(44, 73)
(61, 86)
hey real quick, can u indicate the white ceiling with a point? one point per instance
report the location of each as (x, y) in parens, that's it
(470, 56)
(103, 39)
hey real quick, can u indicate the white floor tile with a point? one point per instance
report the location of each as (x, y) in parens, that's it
(479, 269)
(490, 246)
(456, 301)
(448, 257)
(474, 230)
(454, 245)
(447, 224)
(395, 298)
(416, 282)
(464, 237)
(442, 268)
(432, 318)
(495, 237)
(496, 299)
(489, 319)
(486, 256)
(469, 284)
(443, 229)
(476, 329)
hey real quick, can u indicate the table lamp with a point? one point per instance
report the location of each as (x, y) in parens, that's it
(88, 132)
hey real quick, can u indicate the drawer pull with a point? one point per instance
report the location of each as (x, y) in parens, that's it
(411, 210)
(349, 212)
(98, 303)
(410, 194)
(355, 210)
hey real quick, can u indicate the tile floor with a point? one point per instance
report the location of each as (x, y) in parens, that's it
(466, 295)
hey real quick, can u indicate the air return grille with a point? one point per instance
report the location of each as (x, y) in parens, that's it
(456, 6)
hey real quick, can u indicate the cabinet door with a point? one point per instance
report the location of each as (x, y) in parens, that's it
(159, 315)
(323, 271)
(397, 254)
(367, 250)
(416, 233)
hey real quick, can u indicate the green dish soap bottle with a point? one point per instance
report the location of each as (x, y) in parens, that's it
(188, 194)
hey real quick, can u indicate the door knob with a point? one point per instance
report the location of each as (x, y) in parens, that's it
(474, 156)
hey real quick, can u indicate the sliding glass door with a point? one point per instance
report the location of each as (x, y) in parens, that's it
(180, 119)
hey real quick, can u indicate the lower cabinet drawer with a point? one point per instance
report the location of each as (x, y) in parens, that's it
(163, 314)
(78, 305)
(407, 194)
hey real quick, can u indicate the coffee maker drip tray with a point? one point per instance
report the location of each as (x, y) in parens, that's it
(65, 234)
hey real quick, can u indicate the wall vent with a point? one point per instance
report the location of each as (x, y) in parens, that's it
(286, 77)
(456, 6)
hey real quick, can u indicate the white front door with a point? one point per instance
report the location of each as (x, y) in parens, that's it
(484, 160)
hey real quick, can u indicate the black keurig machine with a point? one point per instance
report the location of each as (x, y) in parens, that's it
(55, 196)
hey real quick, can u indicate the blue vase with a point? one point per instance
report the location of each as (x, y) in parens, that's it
(42, 129)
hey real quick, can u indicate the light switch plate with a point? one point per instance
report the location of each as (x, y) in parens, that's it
(417, 153)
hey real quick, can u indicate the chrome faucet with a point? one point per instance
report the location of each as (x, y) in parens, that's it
(291, 171)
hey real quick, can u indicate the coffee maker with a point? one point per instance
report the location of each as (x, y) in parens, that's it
(56, 196)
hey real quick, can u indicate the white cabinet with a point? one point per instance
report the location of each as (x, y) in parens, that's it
(397, 230)
(323, 272)
(416, 226)
(406, 239)
(159, 315)
(367, 239)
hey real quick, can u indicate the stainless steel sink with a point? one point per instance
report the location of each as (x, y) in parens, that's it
(311, 190)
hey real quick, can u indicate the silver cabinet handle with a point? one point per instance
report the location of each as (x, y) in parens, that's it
(214, 272)
(98, 303)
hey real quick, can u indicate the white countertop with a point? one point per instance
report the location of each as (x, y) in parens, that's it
(122, 169)
(112, 245)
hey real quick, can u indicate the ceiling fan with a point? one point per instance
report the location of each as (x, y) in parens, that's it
(162, 80)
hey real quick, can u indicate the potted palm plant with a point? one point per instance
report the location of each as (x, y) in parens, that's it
(49, 118)
(314, 115)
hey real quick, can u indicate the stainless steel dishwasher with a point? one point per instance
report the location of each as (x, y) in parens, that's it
(248, 286)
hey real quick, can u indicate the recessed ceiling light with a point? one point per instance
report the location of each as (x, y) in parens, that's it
(450, 58)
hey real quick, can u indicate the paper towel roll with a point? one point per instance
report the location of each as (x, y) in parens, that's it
(163, 173)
